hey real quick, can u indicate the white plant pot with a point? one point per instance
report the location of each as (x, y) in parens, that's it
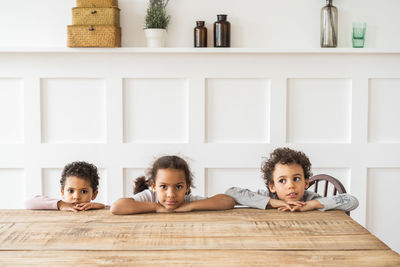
(155, 37)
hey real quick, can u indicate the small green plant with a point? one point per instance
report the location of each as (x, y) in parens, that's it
(156, 17)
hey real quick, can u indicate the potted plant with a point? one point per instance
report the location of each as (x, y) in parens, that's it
(156, 23)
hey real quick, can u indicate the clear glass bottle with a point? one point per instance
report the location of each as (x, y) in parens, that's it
(222, 32)
(329, 25)
(200, 34)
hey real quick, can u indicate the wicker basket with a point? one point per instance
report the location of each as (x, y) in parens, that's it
(97, 3)
(94, 36)
(95, 16)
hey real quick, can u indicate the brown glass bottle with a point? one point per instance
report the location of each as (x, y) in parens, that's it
(200, 34)
(222, 32)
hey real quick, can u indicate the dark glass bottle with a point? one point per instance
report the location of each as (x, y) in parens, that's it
(329, 25)
(222, 32)
(200, 34)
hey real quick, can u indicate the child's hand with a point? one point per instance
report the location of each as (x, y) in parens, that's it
(161, 208)
(292, 206)
(66, 206)
(309, 205)
(184, 208)
(284, 206)
(89, 206)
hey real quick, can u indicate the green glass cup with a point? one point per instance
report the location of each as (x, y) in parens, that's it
(359, 29)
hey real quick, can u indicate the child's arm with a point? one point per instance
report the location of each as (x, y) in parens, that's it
(217, 202)
(42, 203)
(345, 202)
(249, 198)
(142, 202)
(258, 200)
(125, 206)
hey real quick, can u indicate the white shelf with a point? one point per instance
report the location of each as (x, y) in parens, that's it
(191, 50)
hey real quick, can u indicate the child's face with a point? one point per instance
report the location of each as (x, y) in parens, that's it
(289, 183)
(77, 190)
(170, 187)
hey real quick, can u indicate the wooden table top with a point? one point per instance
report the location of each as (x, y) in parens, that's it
(239, 237)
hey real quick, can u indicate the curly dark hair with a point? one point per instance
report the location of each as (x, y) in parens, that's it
(83, 170)
(285, 155)
(165, 162)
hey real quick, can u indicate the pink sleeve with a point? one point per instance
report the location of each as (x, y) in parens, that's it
(41, 203)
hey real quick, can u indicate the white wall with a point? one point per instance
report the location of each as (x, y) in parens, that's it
(255, 23)
(229, 109)
(223, 111)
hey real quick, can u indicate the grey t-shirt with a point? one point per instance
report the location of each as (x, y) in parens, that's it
(261, 198)
(150, 196)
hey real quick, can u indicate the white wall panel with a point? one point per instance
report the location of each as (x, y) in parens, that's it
(156, 110)
(223, 110)
(73, 110)
(383, 189)
(384, 111)
(319, 110)
(237, 110)
(12, 188)
(218, 180)
(51, 184)
(11, 111)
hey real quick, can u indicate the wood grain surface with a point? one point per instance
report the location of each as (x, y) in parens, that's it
(236, 237)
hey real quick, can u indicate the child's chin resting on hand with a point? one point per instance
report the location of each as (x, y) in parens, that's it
(79, 183)
(286, 174)
(167, 189)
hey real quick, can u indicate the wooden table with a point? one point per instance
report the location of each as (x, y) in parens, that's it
(239, 237)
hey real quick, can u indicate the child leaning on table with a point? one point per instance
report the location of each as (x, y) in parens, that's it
(79, 182)
(286, 174)
(170, 180)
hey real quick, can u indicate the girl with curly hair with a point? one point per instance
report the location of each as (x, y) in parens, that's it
(79, 186)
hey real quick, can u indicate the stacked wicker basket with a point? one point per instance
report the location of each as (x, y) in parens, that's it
(95, 23)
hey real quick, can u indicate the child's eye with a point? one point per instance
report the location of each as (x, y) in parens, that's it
(84, 191)
(179, 187)
(163, 186)
(296, 179)
(70, 191)
(282, 181)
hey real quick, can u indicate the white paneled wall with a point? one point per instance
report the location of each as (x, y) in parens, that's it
(384, 108)
(381, 214)
(229, 118)
(319, 110)
(169, 124)
(11, 111)
(12, 188)
(73, 110)
(218, 180)
(222, 111)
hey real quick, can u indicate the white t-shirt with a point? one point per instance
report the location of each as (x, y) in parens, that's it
(150, 196)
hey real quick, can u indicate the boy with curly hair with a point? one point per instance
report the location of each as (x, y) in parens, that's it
(79, 186)
(286, 174)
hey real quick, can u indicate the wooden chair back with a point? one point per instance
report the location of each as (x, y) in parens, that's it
(325, 180)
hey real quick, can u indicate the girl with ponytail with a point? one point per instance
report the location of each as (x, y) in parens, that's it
(167, 189)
